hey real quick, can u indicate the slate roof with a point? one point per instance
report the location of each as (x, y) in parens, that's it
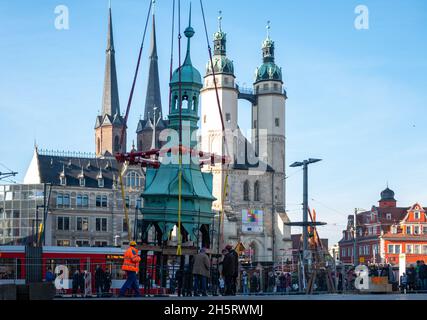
(51, 167)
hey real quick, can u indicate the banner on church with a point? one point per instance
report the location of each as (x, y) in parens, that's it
(252, 220)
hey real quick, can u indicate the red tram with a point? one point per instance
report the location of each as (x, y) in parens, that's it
(13, 264)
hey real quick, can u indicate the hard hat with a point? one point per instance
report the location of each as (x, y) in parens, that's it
(132, 243)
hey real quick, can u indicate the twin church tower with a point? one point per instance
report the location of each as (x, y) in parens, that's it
(251, 187)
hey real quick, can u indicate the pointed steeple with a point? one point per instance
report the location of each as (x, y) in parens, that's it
(153, 99)
(110, 98)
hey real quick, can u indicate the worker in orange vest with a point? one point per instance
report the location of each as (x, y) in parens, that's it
(131, 266)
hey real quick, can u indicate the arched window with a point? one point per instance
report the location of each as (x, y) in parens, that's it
(185, 102)
(246, 191)
(116, 144)
(256, 191)
(133, 180)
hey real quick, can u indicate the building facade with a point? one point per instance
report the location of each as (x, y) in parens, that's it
(254, 181)
(385, 232)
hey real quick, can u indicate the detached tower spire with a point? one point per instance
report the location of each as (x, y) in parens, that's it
(109, 124)
(153, 115)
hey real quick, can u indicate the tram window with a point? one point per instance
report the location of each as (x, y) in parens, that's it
(9, 268)
(71, 264)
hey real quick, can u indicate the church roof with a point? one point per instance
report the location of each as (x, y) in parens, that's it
(110, 97)
(153, 102)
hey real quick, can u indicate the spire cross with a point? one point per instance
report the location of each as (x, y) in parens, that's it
(220, 20)
(268, 29)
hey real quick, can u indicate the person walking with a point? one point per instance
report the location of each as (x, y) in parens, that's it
(229, 271)
(245, 283)
(179, 276)
(131, 266)
(82, 283)
(201, 273)
(49, 277)
(99, 281)
(403, 282)
(423, 275)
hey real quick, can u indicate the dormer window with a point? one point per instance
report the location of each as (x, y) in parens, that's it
(394, 229)
(417, 215)
(82, 181)
(100, 183)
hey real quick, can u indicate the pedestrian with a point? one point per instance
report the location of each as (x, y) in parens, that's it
(271, 282)
(245, 283)
(201, 273)
(179, 274)
(282, 283)
(423, 275)
(82, 283)
(403, 282)
(188, 281)
(229, 271)
(107, 283)
(50, 277)
(99, 281)
(75, 283)
(215, 281)
(254, 287)
(411, 273)
(131, 266)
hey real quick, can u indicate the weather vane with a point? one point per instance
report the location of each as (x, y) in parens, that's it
(268, 28)
(220, 20)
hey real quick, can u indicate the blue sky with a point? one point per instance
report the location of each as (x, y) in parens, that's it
(357, 98)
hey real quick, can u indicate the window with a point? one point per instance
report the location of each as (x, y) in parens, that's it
(101, 224)
(408, 230)
(256, 191)
(409, 249)
(228, 117)
(66, 203)
(246, 191)
(125, 226)
(185, 102)
(417, 249)
(417, 215)
(82, 182)
(277, 122)
(100, 183)
(82, 201)
(397, 248)
(63, 223)
(101, 243)
(388, 216)
(265, 87)
(63, 243)
(82, 243)
(62, 180)
(59, 200)
(369, 230)
(133, 180)
(343, 252)
(424, 249)
(139, 203)
(82, 224)
(425, 230)
(417, 230)
(101, 201)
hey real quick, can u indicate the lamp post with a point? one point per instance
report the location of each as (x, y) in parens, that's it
(355, 253)
(305, 164)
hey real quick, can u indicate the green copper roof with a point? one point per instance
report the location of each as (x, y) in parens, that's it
(268, 70)
(221, 65)
(189, 74)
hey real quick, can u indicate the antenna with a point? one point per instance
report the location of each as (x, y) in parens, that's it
(268, 29)
(220, 20)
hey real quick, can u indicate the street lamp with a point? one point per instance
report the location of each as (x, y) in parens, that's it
(305, 164)
(355, 253)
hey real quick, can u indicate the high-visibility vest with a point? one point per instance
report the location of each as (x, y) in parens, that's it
(131, 260)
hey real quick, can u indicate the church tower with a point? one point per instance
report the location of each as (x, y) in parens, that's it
(153, 122)
(227, 93)
(269, 113)
(109, 124)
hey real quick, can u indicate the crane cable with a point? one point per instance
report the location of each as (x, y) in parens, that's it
(225, 146)
(179, 247)
(120, 169)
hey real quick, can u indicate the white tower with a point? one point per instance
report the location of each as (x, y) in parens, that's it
(269, 113)
(211, 126)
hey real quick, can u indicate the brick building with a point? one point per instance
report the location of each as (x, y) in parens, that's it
(384, 232)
